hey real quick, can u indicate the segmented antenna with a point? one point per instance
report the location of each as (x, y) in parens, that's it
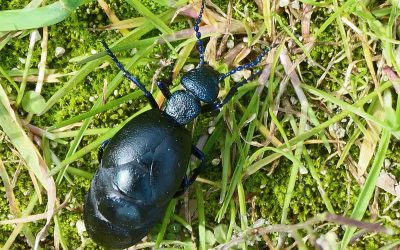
(130, 77)
(247, 65)
(200, 45)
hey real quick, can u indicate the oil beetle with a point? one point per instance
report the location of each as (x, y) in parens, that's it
(144, 165)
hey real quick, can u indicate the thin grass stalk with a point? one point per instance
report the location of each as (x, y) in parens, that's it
(242, 209)
(232, 221)
(309, 133)
(367, 190)
(201, 216)
(32, 41)
(19, 227)
(167, 217)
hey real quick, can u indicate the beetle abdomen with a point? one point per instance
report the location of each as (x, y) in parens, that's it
(142, 168)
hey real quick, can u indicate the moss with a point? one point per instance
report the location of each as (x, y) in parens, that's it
(13, 4)
(23, 190)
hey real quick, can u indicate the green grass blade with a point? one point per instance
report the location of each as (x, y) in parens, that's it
(32, 18)
(232, 222)
(154, 19)
(95, 144)
(296, 164)
(58, 232)
(7, 76)
(132, 39)
(347, 6)
(92, 112)
(67, 88)
(251, 109)
(369, 186)
(182, 221)
(309, 133)
(315, 176)
(226, 165)
(166, 219)
(345, 106)
(242, 209)
(202, 218)
(20, 140)
(27, 211)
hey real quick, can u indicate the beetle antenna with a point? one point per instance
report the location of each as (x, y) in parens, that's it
(130, 77)
(231, 93)
(200, 45)
(247, 65)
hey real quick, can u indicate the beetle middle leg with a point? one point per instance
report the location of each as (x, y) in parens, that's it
(189, 181)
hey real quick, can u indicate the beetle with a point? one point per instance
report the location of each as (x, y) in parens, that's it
(144, 165)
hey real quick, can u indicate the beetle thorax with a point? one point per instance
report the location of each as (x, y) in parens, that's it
(183, 107)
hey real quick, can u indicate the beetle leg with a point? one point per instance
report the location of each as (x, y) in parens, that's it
(200, 155)
(101, 149)
(186, 182)
(184, 186)
(130, 77)
(228, 97)
(164, 89)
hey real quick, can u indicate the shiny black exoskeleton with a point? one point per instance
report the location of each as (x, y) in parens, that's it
(144, 165)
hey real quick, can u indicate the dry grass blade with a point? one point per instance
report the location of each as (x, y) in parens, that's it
(111, 15)
(369, 143)
(337, 219)
(36, 217)
(10, 124)
(9, 192)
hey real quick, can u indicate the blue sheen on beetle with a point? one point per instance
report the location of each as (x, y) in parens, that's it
(203, 83)
(145, 164)
(183, 107)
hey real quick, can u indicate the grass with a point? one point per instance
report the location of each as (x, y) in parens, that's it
(306, 156)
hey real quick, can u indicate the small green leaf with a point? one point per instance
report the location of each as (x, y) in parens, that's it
(33, 102)
(210, 238)
(220, 232)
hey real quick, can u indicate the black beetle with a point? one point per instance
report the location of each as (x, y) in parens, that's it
(144, 165)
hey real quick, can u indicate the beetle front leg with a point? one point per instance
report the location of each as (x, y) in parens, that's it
(101, 149)
(186, 182)
(164, 87)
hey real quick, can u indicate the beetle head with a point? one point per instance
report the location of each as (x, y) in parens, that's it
(203, 83)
